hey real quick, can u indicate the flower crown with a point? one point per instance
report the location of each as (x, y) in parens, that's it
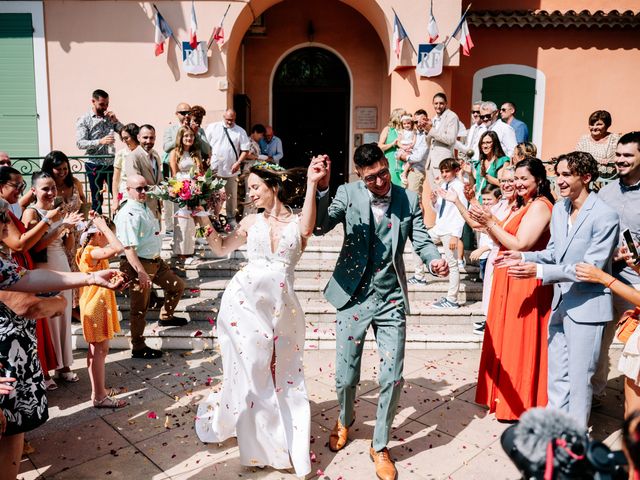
(269, 166)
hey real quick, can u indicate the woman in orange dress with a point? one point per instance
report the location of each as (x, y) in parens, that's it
(513, 367)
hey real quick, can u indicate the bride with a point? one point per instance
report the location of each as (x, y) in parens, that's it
(263, 400)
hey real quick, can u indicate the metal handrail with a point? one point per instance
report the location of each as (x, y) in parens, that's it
(29, 165)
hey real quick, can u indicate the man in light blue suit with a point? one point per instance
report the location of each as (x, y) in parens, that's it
(368, 287)
(583, 229)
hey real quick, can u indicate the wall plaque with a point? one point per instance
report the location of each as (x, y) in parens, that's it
(367, 118)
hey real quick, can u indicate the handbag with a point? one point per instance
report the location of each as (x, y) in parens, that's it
(627, 324)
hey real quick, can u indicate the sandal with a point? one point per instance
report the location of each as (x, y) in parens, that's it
(50, 384)
(68, 377)
(110, 402)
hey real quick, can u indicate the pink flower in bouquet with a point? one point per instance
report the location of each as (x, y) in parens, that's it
(185, 193)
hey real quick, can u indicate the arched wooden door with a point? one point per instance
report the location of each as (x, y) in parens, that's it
(517, 89)
(311, 108)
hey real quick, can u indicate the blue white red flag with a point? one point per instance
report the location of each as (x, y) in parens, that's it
(163, 31)
(461, 33)
(433, 26)
(193, 37)
(399, 34)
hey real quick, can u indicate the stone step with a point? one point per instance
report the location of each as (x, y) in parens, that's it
(321, 312)
(309, 289)
(200, 335)
(305, 269)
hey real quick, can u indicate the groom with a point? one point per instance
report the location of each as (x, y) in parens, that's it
(368, 286)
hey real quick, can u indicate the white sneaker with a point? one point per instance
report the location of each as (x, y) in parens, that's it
(462, 264)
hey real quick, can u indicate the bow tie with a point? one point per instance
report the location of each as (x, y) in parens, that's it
(380, 201)
(629, 188)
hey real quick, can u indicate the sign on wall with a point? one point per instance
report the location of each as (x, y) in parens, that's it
(367, 118)
(430, 59)
(195, 61)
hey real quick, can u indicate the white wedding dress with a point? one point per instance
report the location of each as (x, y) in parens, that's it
(260, 312)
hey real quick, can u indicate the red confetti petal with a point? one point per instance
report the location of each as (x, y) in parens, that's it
(152, 415)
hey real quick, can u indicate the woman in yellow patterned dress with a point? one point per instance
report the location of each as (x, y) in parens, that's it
(98, 310)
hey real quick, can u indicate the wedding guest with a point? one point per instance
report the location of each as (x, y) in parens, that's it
(583, 228)
(254, 155)
(508, 112)
(128, 136)
(388, 144)
(98, 309)
(95, 135)
(50, 253)
(70, 190)
(369, 285)
(183, 119)
(145, 161)
(492, 160)
(622, 195)
(271, 146)
(138, 230)
(441, 139)
(229, 148)
(600, 142)
(512, 375)
(20, 242)
(507, 135)
(17, 347)
(522, 151)
(629, 362)
(185, 161)
(263, 382)
(197, 116)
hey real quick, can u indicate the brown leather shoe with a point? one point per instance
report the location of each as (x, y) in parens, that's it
(339, 436)
(385, 469)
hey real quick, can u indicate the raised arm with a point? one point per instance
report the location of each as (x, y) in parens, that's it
(315, 173)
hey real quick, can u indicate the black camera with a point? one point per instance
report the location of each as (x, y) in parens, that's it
(547, 444)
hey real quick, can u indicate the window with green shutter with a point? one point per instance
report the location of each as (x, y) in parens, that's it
(18, 113)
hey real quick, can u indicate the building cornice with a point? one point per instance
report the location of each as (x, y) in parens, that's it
(554, 19)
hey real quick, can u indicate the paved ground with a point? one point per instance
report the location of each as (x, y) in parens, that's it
(439, 432)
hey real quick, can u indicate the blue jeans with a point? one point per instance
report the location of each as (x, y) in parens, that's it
(97, 175)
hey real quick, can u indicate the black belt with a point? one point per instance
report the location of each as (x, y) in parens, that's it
(142, 259)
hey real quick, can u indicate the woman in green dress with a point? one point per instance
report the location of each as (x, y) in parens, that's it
(492, 159)
(388, 143)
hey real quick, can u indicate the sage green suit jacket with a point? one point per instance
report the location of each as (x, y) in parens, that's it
(351, 207)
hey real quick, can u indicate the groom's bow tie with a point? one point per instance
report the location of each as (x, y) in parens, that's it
(380, 201)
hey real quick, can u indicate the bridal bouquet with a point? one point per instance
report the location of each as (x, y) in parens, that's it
(191, 191)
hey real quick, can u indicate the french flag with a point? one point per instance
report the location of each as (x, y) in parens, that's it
(163, 31)
(193, 37)
(399, 34)
(463, 36)
(433, 26)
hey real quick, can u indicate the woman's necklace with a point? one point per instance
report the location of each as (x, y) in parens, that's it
(281, 219)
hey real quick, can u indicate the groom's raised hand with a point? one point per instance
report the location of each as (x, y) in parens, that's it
(439, 267)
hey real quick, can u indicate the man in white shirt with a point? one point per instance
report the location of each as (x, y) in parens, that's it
(418, 155)
(448, 228)
(470, 147)
(229, 146)
(489, 115)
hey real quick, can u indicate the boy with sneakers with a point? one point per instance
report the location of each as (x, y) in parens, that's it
(448, 228)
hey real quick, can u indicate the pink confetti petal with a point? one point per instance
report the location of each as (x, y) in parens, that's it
(152, 415)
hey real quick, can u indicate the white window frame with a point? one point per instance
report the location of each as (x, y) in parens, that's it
(539, 96)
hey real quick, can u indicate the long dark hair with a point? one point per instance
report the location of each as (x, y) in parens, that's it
(537, 170)
(6, 173)
(496, 149)
(290, 184)
(53, 160)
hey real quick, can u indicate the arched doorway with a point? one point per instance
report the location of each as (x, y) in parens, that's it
(311, 109)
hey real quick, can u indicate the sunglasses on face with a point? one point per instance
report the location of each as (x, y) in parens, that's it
(503, 109)
(5, 163)
(475, 112)
(382, 175)
(17, 186)
(141, 189)
(184, 112)
(486, 116)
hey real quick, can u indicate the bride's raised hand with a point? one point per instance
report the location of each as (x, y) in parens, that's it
(317, 169)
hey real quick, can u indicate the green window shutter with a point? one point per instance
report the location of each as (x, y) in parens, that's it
(18, 114)
(518, 89)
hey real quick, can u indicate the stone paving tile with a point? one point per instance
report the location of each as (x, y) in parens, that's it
(439, 432)
(62, 449)
(125, 464)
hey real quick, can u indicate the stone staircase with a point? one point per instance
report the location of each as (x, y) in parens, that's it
(426, 326)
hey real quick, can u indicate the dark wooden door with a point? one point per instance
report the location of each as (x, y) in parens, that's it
(311, 109)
